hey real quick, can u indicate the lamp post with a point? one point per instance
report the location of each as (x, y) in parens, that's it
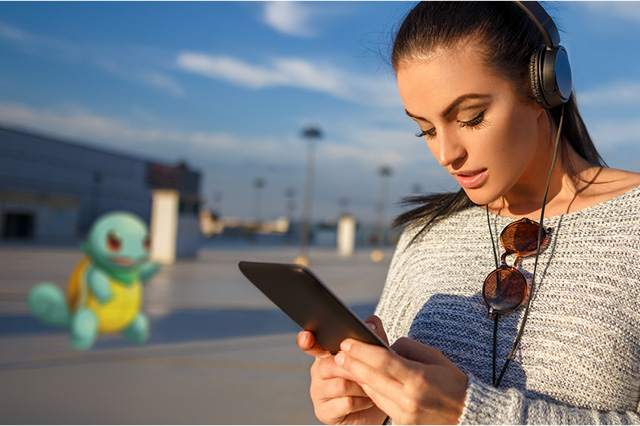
(311, 134)
(254, 228)
(217, 203)
(258, 184)
(290, 206)
(385, 171)
(343, 203)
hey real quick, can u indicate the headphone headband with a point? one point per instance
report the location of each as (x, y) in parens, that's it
(549, 69)
(543, 21)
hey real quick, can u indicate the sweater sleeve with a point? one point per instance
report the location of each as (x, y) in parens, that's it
(485, 404)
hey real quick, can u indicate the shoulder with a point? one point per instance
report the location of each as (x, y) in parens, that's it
(455, 226)
(613, 182)
(611, 203)
(605, 184)
(618, 181)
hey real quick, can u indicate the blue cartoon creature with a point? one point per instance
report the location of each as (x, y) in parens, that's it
(104, 292)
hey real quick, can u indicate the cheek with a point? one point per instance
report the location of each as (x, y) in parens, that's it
(514, 138)
(523, 144)
(513, 156)
(431, 145)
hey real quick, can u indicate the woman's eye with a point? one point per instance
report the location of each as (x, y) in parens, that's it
(474, 121)
(428, 133)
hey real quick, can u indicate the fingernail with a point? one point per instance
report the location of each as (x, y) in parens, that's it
(345, 345)
(372, 326)
(340, 358)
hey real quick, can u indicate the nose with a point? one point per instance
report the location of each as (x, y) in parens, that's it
(448, 150)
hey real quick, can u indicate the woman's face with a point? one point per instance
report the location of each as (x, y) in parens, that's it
(475, 125)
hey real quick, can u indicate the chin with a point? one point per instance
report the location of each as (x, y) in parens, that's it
(480, 197)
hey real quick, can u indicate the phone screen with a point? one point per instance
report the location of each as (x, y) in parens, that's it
(308, 302)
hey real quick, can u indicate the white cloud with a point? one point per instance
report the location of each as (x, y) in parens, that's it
(616, 93)
(12, 33)
(376, 146)
(610, 134)
(347, 154)
(349, 158)
(617, 142)
(629, 10)
(350, 145)
(229, 69)
(291, 18)
(294, 72)
(161, 81)
(81, 124)
(136, 64)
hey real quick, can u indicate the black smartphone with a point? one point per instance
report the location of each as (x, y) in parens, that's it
(307, 301)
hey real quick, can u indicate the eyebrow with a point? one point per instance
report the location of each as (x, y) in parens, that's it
(451, 106)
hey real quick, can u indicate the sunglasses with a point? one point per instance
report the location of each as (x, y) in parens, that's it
(506, 289)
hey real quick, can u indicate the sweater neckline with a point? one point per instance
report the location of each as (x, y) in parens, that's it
(633, 192)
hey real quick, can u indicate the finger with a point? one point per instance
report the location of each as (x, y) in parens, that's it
(378, 358)
(324, 368)
(382, 374)
(382, 401)
(370, 365)
(375, 323)
(335, 388)
(335, 410)
(307, 342)
(382, 388)
(441, 371)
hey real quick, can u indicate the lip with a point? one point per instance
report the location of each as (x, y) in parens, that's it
(471, 179)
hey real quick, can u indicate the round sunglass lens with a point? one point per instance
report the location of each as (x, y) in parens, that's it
(521, 237)
(504, 290)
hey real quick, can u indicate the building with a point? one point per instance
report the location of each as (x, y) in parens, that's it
(52, 190)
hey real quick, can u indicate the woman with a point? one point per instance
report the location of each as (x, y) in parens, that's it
(568, 348)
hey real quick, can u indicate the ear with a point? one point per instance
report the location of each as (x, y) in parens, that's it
(541, 111)
(543, 115)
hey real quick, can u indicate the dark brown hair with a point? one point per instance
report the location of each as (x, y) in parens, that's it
(509, 37)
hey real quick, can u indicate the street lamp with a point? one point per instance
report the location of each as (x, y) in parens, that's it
(343, 203)
(258, 184)
(385, 171)
(311, 134)
(290, 193)
(217, 203)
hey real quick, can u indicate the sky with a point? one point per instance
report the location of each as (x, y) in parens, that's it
(229, 87)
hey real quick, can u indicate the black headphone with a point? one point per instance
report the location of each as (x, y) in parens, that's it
(549, 68)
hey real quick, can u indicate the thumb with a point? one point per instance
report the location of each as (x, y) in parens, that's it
(307, 342)
(375, 324)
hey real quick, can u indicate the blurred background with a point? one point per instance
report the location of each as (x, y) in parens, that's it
(224, 94)
(265, 130)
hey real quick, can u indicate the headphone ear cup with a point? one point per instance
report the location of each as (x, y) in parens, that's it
(550, 75)
(535, 76)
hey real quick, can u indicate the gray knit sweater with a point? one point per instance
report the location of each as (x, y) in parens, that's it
(579, 358)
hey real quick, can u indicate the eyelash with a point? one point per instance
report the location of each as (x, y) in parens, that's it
(474, 122)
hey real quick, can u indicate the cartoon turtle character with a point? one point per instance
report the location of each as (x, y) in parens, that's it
(104, 292)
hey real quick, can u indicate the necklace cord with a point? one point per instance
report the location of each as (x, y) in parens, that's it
(493, 244)
(535, 266)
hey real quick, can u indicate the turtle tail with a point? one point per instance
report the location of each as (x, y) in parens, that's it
(47, 303)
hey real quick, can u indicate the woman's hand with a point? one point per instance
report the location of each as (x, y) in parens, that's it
(415, 385)
(337, 399)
